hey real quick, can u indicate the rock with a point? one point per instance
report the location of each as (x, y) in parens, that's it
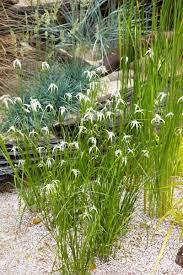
(10, 2)
(179, 257)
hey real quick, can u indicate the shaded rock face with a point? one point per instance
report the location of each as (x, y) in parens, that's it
(179, 257)
(10, 2)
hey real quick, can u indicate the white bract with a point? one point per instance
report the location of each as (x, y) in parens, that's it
(45, 66)
(170, 114)
(138, 109)
(101, 70)
(33, 133)
(12, 129)
(62, 110)
(120, 101)
(53, 88)
(162, 96)
(74, 144)
(14, 149)
(49, 162)
(111, 135)
(75, 172)
(180, 100)
(5, 100)
(45, 129)
(127, 138)
(21, 163)
(82, 129)
(35, 105)
(17, 64)
(100, 116)
(68, 96)
(135, 124)
(93, 141)
(90, 74)
(145, 153)
(118, 153)
(124, 161)
(157, 119)
(109, 114)
(40, 149)
(60, 147)
(17, 99)
(82, 97)
(49, 107)
(93, 148)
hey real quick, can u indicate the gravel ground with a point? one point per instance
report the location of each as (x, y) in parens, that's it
(29, 249)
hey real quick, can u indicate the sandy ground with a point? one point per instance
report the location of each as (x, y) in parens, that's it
(29, 249)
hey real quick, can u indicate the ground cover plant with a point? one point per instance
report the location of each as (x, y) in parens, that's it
(86, 187)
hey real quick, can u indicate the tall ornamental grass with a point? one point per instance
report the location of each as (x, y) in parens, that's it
(86, 187)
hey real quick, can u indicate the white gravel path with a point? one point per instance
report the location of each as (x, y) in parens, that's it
(29, 249)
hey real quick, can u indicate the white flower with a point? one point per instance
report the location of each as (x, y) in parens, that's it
(62, 110)
(40, 149)
(17, 64)
(89, 116)
(150, 52)
(45, 66)
(93, 141)
(12, 129)
(145, 153)
(68, 96)
(62, 162)
(82, 97)
(92, 85)
(53, 88)
(170, 114)
(41, 164)
(118, 153)
(5, 100)
(126, 138)
(82, 129)
(124, 161)
(135, 124)
(25, 109)
(92, 148)
(51, 187)
(17, 99)
(101, 70)
(49, 107)
(75, 172)
(20, 133)
(74, 144)
(180, 99)
(21, 163)
(60, 146)
(157, 119)
(45, 129)
(162, 96)
(111, 135)
(33, 133)
(120, 101)
(35, 105)
(49, 162)
(109, 114)
(130, 151)
(14, 149)
(138, 110)
(100, 116)
(89, 74)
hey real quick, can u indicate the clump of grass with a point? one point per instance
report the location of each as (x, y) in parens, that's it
(50, 88)
(86, 187)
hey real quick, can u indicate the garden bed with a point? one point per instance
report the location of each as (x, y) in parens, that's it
(29, 249)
